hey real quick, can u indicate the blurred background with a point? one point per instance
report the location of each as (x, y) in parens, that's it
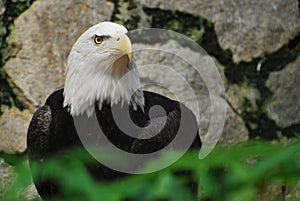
(255, 46)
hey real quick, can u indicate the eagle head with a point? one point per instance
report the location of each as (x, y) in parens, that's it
(100, 69)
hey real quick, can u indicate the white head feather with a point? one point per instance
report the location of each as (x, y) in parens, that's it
(94, 71)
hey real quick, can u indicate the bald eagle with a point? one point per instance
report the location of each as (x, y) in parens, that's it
(95, 85)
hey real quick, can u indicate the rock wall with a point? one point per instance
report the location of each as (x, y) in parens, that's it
(34, 62)
(248, 28)
(284, 106)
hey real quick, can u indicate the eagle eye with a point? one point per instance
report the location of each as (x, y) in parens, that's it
(98, 39)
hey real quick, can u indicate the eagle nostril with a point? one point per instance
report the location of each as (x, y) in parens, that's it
(118, 39)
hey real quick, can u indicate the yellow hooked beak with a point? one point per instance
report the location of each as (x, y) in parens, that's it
(123, 44)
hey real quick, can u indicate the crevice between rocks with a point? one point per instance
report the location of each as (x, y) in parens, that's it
(233, 109)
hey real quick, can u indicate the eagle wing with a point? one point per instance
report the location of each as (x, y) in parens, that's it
(38, 133)
(38, 146)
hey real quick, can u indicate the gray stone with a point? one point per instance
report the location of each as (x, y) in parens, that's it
(284, 107)
(29, 193)
(234, 130)
(6, 174)
(242, 97)
(41, 40)
(13, 129)
(159, 72)
(249, 29)
(166, 74)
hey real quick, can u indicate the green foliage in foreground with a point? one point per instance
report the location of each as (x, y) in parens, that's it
(227, 174)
